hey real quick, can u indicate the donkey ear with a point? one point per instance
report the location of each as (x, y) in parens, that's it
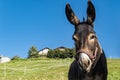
(72, 18)
(90, 12)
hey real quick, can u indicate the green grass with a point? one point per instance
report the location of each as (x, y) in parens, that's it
(47, 69)
(113, 69)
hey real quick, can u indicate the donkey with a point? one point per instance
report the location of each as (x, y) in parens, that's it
(90, 61)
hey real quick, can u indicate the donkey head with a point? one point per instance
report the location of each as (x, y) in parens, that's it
(88, 49)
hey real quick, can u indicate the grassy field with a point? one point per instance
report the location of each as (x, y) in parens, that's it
(47, 69)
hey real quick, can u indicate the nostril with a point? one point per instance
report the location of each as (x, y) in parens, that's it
(88, 62)
(93, 54)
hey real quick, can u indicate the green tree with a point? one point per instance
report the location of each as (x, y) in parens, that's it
(16, 58)
(50, 54)
(33, 52)
(71, 53)
(67, 53)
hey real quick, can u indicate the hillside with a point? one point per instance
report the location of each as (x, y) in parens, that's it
(47, 69)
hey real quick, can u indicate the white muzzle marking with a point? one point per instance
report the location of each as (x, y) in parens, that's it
(85, 62)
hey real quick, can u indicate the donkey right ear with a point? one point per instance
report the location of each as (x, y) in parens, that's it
(72, 18)
(90, 12)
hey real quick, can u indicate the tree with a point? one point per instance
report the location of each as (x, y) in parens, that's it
(71, 53)
(50, 54)
(67, 53)
(16, 58)
(33, 52)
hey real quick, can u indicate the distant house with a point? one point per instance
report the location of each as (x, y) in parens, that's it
(60, 48)
(4, 59)
(44, 51)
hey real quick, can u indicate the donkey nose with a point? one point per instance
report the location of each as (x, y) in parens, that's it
(84, 60)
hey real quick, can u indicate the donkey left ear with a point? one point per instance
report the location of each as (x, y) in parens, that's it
(72, 18)
(90, 12)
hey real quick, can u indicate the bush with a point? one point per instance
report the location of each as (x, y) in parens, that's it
(50, 54)
(67, 53)
(16, 58)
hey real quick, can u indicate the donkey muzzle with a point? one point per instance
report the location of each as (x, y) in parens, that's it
(86, 59)
(84, 62)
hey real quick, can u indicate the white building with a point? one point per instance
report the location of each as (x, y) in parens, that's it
(4, 59)
(44, 51)
(61, 48)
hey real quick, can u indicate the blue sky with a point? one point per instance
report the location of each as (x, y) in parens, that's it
(43, 23)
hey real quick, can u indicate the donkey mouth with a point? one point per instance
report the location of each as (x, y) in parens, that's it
(86, 59)
(85, 62)
(91, 54)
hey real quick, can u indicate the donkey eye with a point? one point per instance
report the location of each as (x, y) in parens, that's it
(92, 37)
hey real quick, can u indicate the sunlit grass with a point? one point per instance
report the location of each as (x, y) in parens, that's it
(47, 69)
(114, 69)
